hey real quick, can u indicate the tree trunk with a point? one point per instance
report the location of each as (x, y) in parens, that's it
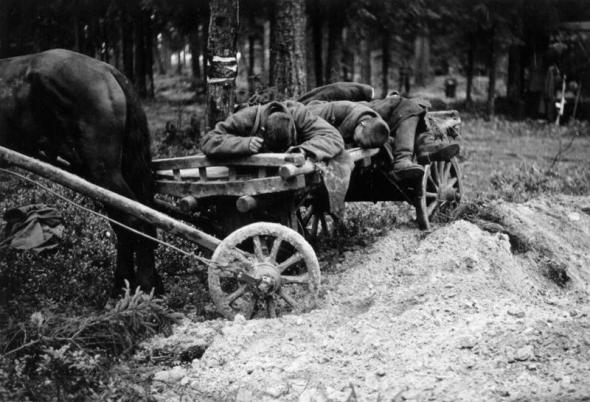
(266, 52)
(139, 53)
(316, 22)
(127, 44)
(160, 53)
(422, 54)
(492, 76)
(469, 72)
(149, 55)
(384, 63)
(335, 43)
(251, 60)
(365, 62)
(514, 73)
(179, 63)
(204, 43)
(347, 56)
(287, 49)
(310, 65)
(76, 30)
(195, 47)
(221, 60)
(4, 37)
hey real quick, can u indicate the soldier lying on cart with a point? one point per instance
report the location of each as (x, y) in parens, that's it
(360, 125)
(291, 127)
(405, 118)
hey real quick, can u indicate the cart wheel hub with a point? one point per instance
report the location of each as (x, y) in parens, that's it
(269, 277)
(448, 194)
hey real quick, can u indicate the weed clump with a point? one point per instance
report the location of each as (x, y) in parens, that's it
(67, 357)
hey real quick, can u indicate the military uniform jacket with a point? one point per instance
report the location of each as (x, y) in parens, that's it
(395, 109)
(314, 135)
(345, 116)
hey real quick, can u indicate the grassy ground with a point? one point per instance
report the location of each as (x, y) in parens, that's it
(499, 159)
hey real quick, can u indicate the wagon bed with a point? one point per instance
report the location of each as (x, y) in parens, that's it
(226, 193)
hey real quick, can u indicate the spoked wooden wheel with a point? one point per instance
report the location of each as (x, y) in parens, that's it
(314, 220)
(264, 269)
(441, 191)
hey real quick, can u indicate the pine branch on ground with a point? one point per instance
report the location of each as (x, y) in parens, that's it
(118, 331)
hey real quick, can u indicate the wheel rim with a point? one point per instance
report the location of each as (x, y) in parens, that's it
(441, 187)
(283, 265)
(313, 219)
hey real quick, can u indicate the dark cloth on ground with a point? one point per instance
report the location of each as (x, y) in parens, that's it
(346, 116)
(36, 227)
(314, 135)
(351, 91)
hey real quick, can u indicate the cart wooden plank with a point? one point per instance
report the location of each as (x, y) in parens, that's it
(197, 161)
(237, 188)
(202, 173)
(289, 170)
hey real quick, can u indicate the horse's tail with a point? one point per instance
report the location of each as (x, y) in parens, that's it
(137, 159)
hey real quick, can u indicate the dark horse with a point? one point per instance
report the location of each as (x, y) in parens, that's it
(82, 114)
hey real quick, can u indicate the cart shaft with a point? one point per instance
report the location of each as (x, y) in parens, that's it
(110, 198)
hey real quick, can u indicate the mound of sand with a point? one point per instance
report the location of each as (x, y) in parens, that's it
(458, 314)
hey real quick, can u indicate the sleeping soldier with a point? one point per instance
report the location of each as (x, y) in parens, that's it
(286, 127)
(358, 124)
(405, 118)
(273, 127)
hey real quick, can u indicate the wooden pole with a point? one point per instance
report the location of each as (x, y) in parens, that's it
(110, 198)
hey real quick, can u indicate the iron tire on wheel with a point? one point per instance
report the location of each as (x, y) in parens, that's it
(278, 257)
(441, 191)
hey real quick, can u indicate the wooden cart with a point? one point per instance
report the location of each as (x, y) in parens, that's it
(262, 268)
(263, 206)
(225, 194)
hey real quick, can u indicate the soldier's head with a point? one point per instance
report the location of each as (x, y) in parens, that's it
(371, 130)
(279, 132)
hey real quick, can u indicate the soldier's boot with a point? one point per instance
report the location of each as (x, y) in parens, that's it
(428, 149)
(404, 168)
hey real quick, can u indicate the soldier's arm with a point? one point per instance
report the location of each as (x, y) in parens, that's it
(316, 137)
(230, 136)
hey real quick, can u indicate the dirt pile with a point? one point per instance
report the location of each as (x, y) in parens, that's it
(453, 315)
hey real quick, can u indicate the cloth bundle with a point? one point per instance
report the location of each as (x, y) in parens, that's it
(36, 227)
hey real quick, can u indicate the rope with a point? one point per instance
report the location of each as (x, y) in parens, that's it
(98, 214)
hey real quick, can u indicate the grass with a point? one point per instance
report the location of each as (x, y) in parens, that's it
(500, 159)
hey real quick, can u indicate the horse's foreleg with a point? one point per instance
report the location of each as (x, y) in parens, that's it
(147, 276)
(124, 268)
(126, 240)
(130, 245)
